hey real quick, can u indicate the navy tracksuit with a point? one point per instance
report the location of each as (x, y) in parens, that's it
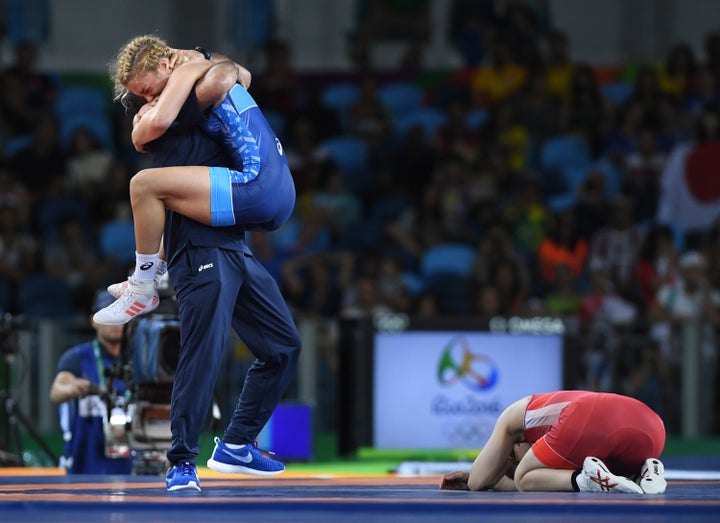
(219, 284)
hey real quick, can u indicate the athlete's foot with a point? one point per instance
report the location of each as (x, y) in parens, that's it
(652, 477)
(596, 477)
(118, 289)
(138, 298)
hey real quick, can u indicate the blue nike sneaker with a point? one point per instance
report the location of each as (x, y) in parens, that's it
(246, 460)
(182, 477)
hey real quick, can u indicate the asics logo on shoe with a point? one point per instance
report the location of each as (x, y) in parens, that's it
(603, 482)
(247, 458)
(146, 266)
(204, 267)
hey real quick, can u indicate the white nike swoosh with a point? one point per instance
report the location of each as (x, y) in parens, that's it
(245, 459)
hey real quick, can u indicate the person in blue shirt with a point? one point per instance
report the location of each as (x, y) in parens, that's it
(83, 413)
(219, 284)
(257, 190)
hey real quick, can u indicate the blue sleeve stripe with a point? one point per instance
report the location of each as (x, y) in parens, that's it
(241, 99)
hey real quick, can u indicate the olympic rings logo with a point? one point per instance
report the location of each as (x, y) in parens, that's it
(468, 432)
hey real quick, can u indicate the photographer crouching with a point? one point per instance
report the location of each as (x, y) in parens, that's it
(79, 389)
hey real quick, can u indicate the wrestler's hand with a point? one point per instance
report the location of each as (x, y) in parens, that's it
(457, 480)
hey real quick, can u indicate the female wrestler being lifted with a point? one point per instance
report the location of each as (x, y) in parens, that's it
(258, 192)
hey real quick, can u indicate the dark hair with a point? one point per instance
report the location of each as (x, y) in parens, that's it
(132, 103)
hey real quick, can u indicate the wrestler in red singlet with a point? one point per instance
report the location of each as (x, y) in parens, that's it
(566, 426)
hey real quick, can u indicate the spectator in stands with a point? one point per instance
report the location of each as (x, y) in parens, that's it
(327, 122)
(706, 95)
(276, 86)
(339, 206)
(511, 138)
(527, 215)
(537, 110)
(315, 283)
(656, 264)
(617, 244)
(426, 306)
(112, 197)
(592, 208)
(487, 301)
(42, 160)
(522, 26)
(500, 78)
(650, 98)
(14, 194)
(603, 316)
(644, 167)
(497, 248)
(73, 257)
(414, 229)
(585, 111)
(411, 167)
(448, 196)
(562, 297)
(470, 23)
(512, 290)
(648, 377)
(562, 246)
(457, 136)
(18, 251)
(391, 283)
(363, 299)
(711, 60)
(369, 118)
(559, 67)
(27, 93)
(678, 75)
(302, 150)
(88, 165)
(690, 302)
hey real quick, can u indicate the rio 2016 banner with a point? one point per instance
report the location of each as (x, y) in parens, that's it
(445, 390)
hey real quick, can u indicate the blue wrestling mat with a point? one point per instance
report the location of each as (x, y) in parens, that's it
(326, 498)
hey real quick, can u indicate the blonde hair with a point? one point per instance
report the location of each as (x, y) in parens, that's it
(140, 55)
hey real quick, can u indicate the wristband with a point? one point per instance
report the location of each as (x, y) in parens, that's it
(207, 54)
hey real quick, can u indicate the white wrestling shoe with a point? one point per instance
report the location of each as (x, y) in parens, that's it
(595, 477)
(118, 289)
(137, 299)
(652, 477)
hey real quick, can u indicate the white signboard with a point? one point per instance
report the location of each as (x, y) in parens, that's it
(444, 390)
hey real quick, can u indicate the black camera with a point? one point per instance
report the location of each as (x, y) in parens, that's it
(138, 421)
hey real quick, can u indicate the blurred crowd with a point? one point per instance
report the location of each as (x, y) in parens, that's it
(529, 184)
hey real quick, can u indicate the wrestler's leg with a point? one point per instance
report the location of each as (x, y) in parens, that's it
(533, 475)
(185, 190)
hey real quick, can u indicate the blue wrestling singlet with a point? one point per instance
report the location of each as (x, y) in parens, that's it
(260, 191)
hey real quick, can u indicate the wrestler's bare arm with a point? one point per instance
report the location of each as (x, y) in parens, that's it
(244, 77)
(157, 120)
(213, 87)
(490, 466)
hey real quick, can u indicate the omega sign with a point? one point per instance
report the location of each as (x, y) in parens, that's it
(535, 325)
